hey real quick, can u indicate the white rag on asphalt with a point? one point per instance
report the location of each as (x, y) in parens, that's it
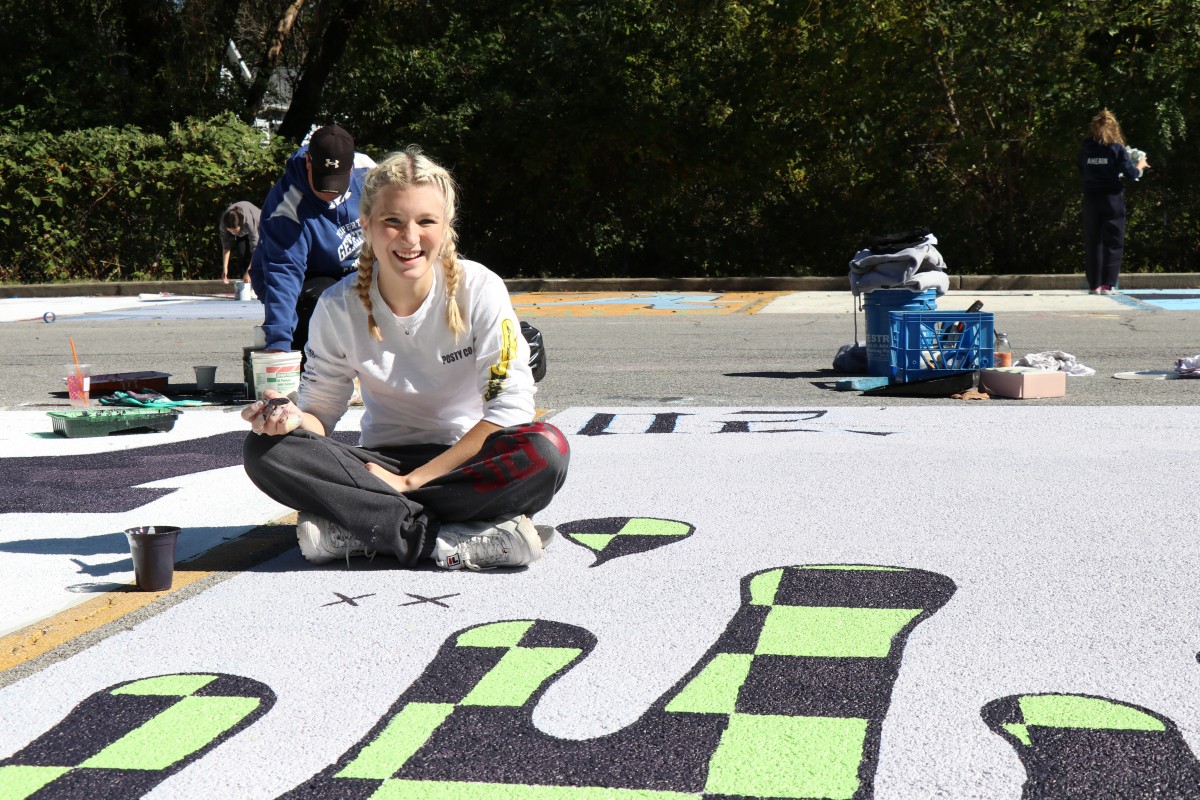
(1054, 360)
(1188, 367)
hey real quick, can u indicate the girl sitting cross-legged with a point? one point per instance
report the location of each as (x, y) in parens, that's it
(451, 464)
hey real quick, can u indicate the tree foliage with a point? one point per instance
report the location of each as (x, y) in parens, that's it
(122, 204)
(664, 137)
(74, 64)
(694, 137)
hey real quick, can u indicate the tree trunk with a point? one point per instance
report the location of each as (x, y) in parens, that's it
(326, 47)
(269, 61)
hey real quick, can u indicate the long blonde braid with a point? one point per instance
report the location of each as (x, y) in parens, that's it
(366, 267)
(411, 167)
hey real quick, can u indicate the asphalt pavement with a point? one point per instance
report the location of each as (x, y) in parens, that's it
(760, 585)
(640, 348)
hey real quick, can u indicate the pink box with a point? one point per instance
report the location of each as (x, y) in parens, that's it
(1023, 383)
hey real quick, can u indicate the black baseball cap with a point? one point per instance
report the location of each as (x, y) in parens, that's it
(331, 153)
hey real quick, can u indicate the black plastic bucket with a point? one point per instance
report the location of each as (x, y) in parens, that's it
(153, 551)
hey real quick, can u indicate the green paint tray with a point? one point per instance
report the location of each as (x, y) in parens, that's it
(83, 422)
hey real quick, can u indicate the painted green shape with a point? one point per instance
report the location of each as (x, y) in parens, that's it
(168, 685)
(518, 675)
(1019, 732)
(401, 737)
(793, 757)
(594, 541)
(648, 526)
(857, 568)
(715, 689)
(461, 790)
(764, 586)
(498, 634)
(20, 781)
(1072, 711)
(175, 734)
(831, 631)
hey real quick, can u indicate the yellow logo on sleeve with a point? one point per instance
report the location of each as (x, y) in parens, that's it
(499, 370)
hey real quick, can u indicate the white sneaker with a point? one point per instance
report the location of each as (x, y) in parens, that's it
(505, 542)
(322, 541)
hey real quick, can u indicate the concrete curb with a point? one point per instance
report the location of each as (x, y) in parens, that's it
(985, 283)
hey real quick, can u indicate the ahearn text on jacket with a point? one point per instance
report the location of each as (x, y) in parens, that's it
(1103, 165)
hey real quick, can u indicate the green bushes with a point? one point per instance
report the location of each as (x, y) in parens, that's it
(119, 204)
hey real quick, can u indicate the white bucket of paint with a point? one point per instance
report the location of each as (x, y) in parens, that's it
(279, 372)
(243, 291)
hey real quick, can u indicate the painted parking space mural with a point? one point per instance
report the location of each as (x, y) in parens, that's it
(787, 603)
(1160, 299)
(583, 304)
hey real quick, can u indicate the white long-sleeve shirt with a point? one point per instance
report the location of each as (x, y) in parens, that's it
(420, 385)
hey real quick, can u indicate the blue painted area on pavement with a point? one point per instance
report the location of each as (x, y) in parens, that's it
(203, 309)
(659, 301)
(1162, 299)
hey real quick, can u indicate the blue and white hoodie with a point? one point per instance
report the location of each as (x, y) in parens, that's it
(302, 237)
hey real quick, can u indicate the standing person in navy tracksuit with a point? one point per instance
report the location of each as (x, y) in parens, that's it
(1103, 162)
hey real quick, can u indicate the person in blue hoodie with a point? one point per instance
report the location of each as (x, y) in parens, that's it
(1103, 162)
(309, 234)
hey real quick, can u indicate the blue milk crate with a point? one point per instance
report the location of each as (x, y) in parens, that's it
(934, 344)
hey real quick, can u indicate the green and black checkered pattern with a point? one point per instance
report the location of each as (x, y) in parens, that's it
(613, 537)
(1077, 747)
(787, 704)
(123, 741)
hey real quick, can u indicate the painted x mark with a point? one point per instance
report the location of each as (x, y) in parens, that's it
(419, 599)
(347, 600)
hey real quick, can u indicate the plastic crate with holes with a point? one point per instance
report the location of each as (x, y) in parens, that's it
(934, 344)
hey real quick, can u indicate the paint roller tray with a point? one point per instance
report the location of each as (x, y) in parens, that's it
(83, 422)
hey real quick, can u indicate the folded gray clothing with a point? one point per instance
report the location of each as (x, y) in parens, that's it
(919, 267)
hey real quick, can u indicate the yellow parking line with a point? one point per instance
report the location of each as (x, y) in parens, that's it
(235, 555)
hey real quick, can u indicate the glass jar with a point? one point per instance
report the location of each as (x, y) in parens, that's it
(1003, 351)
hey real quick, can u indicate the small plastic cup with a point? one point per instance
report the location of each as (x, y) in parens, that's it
(206, 378)
(153, 551)
(79, 384)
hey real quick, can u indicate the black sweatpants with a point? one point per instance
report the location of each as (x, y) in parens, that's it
(1103, 237)
(239, 256)
(518, 470)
